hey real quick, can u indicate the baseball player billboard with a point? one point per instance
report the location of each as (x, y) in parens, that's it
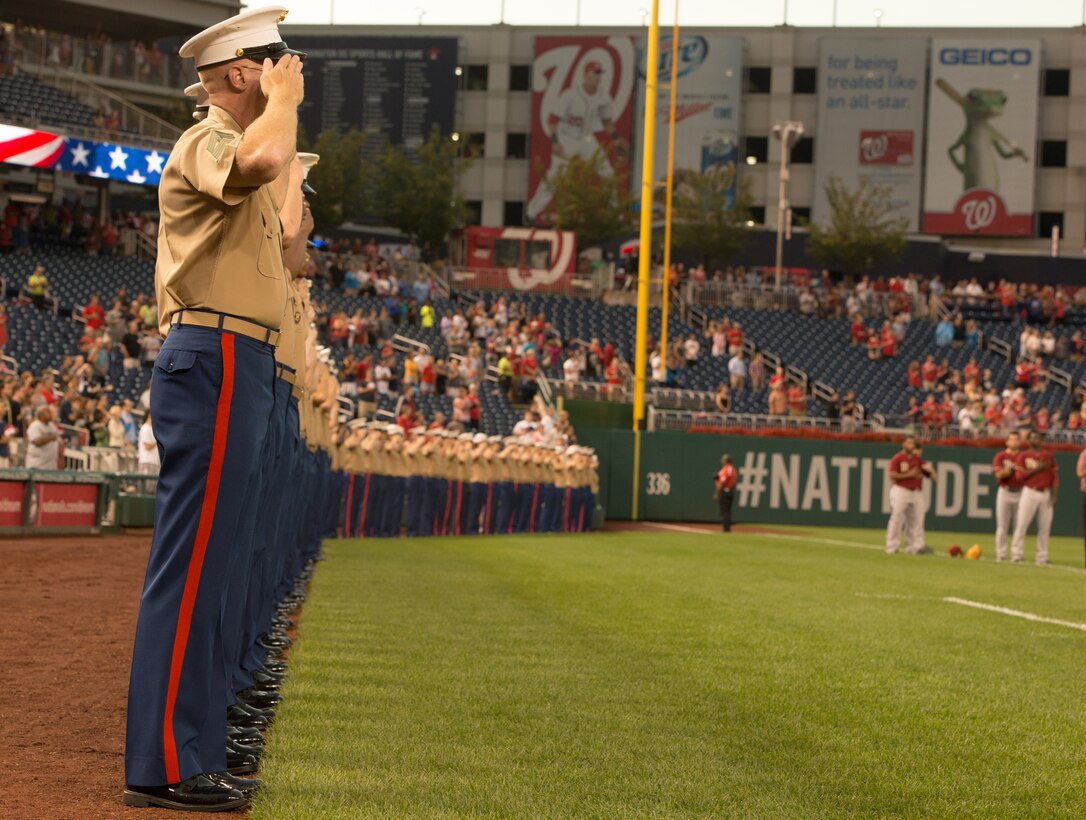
(982, 134)
(582, 105)
(707, 110)
(871, 109)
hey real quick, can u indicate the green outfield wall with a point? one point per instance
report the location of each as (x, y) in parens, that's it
(803, 481)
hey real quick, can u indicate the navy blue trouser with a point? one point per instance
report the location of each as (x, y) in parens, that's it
(416, 492)
(392, 506)
(212, 402)
(442, 503)
(504, 496)
(373, 501)
(476, 500)
(260, 602)
(524, 501)
(427, 504)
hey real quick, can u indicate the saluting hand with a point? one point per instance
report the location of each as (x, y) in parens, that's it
(283, 80)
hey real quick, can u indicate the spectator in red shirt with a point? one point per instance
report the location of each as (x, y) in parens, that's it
(888, 341)
(1036, 469)
(797, 401)
(929, 372)
(914, 375)
(971, 371)
(735, 338)
(94, 314)
(858, 331)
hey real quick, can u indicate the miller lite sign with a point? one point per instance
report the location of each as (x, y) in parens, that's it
(982, 134)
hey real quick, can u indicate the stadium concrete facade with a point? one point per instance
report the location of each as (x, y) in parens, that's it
(494, 112)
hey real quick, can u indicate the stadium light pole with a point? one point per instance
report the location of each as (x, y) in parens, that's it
(644, 269)
(665, 290)
(787, 132)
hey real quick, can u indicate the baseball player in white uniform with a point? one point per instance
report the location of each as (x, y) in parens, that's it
(583, 111)
(907, 471)
(1009, 494)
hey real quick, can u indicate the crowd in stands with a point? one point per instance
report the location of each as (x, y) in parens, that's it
(154, 62)
(73, 225)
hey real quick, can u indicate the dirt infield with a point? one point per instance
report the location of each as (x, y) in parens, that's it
(72, 614)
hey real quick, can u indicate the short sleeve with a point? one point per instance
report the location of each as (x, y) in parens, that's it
(206, 161)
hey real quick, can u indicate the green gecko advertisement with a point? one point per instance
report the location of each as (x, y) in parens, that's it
(982, 134)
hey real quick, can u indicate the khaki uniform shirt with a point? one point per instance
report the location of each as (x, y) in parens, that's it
(220, 248)
(291, 350)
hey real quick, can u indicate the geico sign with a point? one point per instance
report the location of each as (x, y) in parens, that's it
(985, 56)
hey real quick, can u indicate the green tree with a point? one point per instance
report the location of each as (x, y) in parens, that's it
(704, 226)
(342, 177)
(596, 206)
(863, 229)
(419, 196)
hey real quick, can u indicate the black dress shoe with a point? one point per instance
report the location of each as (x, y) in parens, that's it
(260, 698)
(199, 793)
(267, 680)
(250, 711)
(243, 735)
(245, 785)
(275, 666)
(240, 763)
(271, 642)
(235, 748)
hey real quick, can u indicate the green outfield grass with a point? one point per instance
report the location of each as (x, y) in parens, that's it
(671, 674)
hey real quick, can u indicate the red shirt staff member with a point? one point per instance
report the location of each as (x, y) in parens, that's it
(907, 471)
(1009, 494)
(725, 490)
(1035, 467)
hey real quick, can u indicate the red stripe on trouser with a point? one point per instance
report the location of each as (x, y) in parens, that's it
(489, 492)
(567, 510)
(350, 500)
(199, 548)
(365, 502)
(531, 517)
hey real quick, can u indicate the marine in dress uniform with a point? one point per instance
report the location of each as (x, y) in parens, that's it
(221, 287)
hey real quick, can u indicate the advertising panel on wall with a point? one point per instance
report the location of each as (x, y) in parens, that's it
(871, 119)
(582, 103)
(394, 87)
(707, 111)
(982, 134)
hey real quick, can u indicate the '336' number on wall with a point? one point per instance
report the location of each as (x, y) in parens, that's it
(659, 484)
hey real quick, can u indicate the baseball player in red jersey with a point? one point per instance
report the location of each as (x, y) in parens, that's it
(907, 471)
(1009, 494)
(725, 490)
(1035, 467)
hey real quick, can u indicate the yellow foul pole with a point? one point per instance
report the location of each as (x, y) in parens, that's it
(652, 62)
(670, 182)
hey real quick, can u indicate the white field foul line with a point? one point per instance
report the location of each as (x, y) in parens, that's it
(783, 536)
(1014, 613)
(832, 542)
